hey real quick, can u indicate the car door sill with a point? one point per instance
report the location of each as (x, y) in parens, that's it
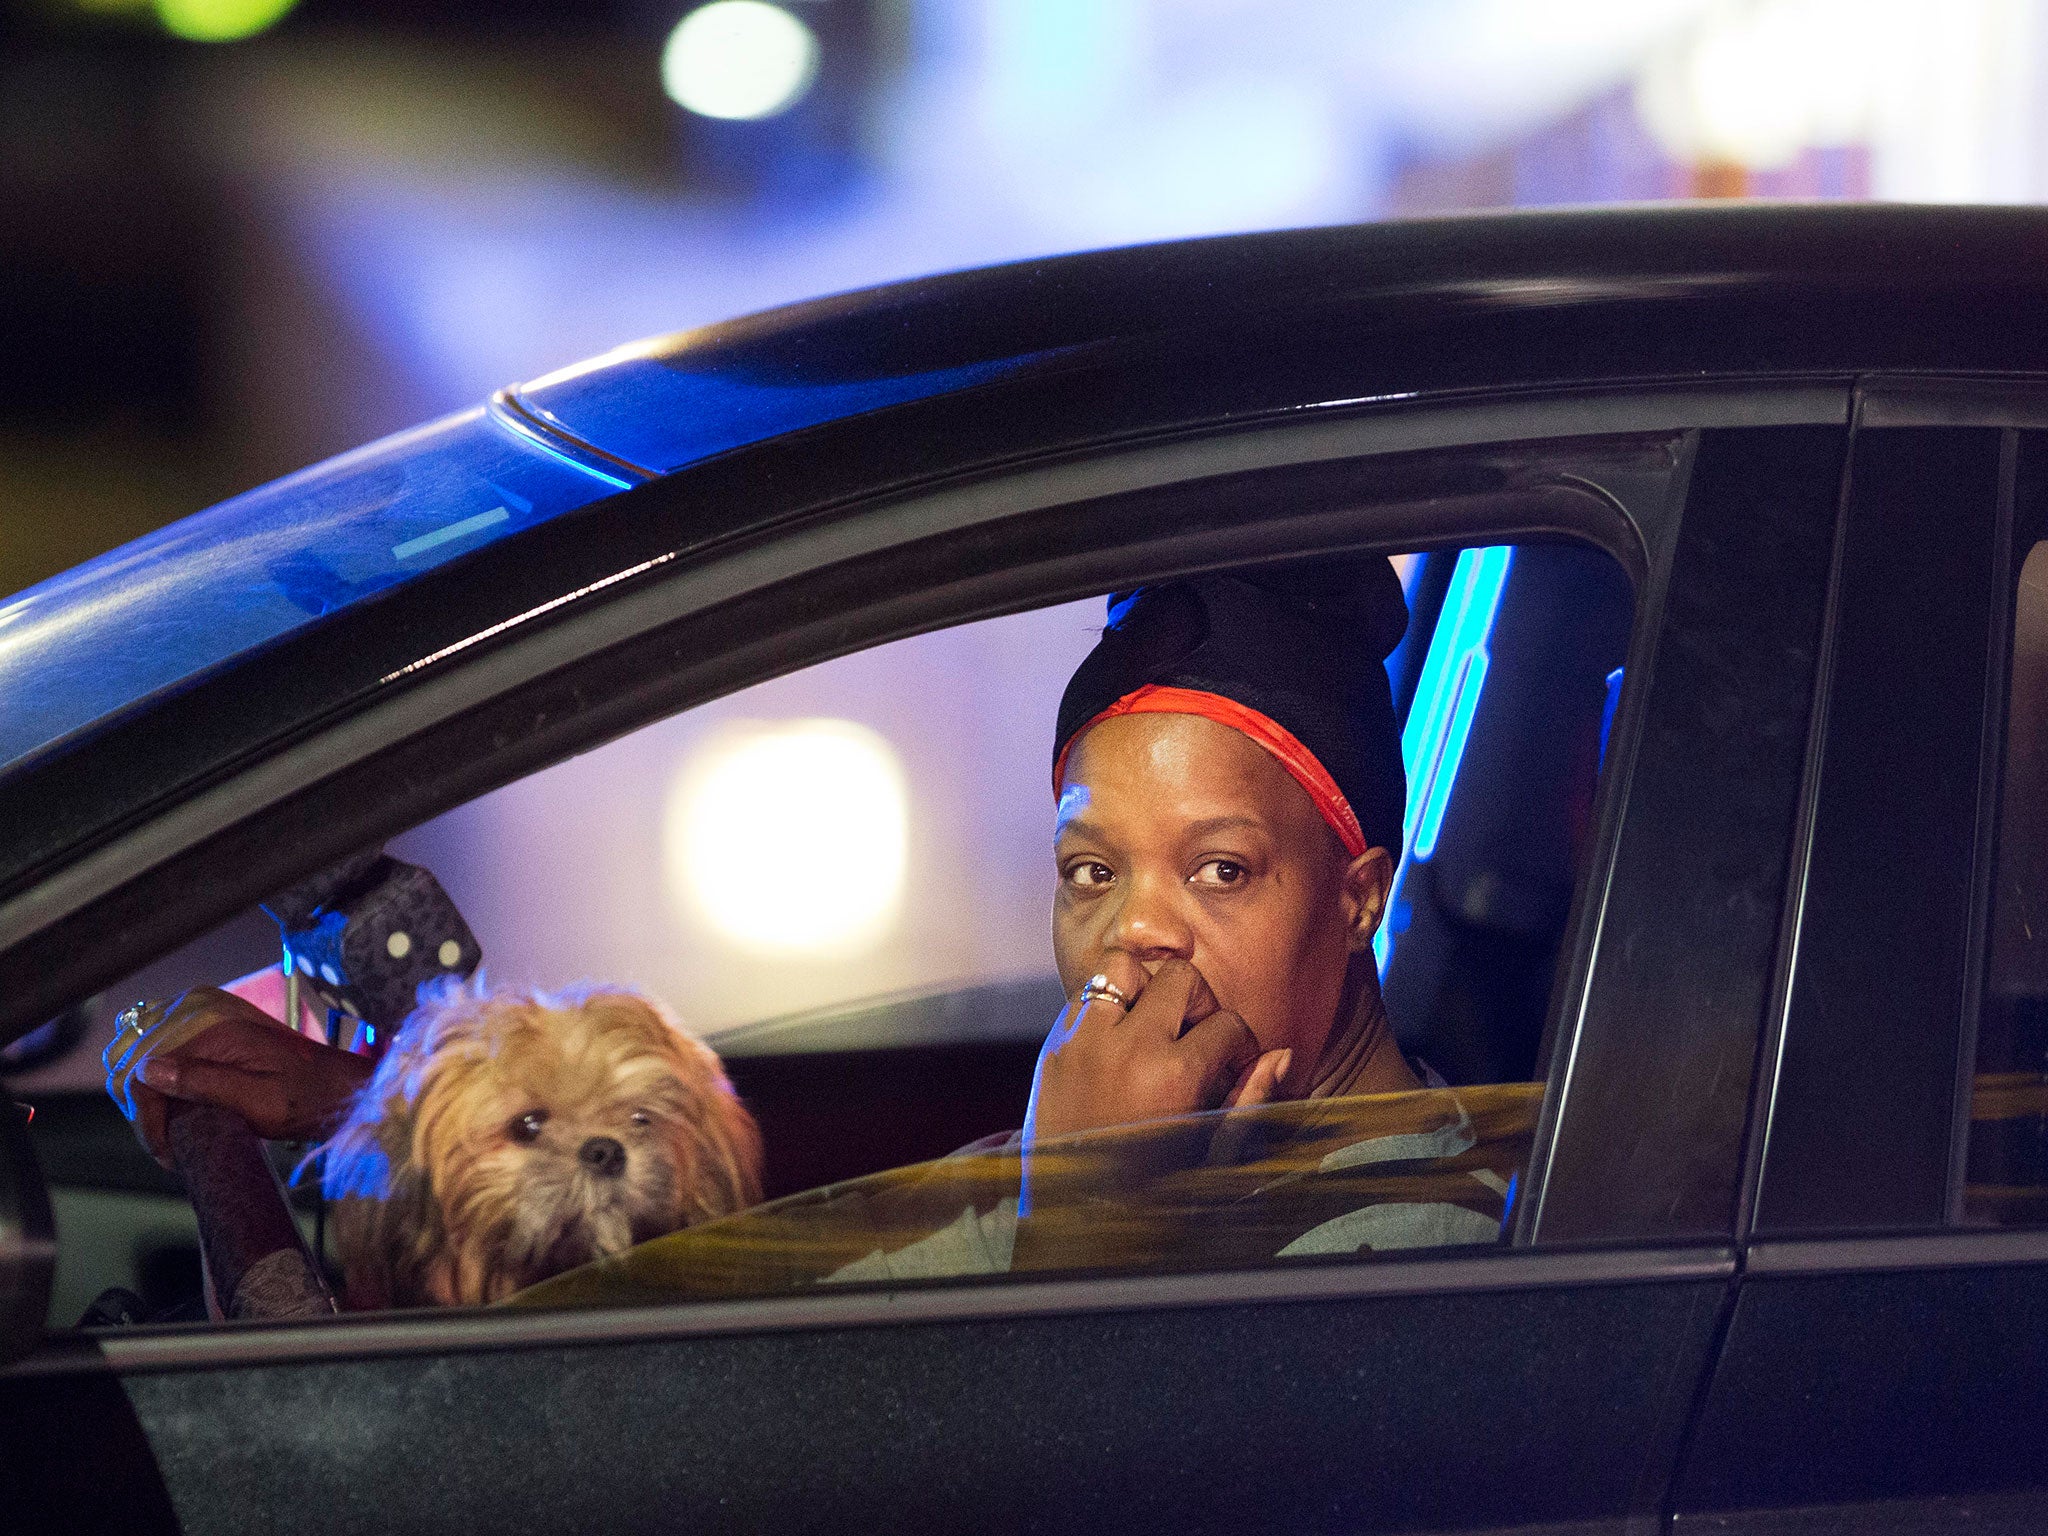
(1914, 1250)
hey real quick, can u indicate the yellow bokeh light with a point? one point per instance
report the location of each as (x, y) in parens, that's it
(791, 838)
(219, 21)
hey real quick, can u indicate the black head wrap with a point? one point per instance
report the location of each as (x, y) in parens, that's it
(1303, 642)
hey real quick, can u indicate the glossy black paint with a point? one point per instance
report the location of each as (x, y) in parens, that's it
(1863, 1125)
(1689, 931)
(1887, 1382)
(1382, 1414)
(1859, 1387)
(1263, 322)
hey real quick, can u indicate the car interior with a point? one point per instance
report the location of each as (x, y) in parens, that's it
(901, 1041)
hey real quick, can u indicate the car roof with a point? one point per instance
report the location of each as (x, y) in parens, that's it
(160, 666)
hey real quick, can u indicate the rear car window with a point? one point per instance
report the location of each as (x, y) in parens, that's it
(2006, 1180)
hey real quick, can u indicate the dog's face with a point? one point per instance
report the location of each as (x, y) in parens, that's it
(522, 1136)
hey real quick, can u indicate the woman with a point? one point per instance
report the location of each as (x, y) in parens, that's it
(1230, 796)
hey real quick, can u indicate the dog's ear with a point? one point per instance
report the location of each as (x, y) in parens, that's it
(742, 1136)
(725, 1149)
(408, 1230)
(716, 1141)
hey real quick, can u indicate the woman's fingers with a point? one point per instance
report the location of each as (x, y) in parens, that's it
(149, 1112)
(1121, 972)
(1126, 977)
(1165, 1003)
(1173, 1051)
(254, 1093)
(1262, 1083)
(217, 1049)
(1223, 1046)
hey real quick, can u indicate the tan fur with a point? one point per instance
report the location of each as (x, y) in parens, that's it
(437, 1201)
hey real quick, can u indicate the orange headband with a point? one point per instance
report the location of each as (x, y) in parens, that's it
(1283, 744)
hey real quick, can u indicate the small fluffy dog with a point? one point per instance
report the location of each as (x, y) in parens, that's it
(507, 1137)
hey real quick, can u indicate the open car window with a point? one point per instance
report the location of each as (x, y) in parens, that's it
(1506, 685)
(840, 878)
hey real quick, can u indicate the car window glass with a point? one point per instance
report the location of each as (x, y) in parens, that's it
(2006, 1180)
(840, 880)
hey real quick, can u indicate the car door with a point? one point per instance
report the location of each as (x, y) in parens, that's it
(1547, 1382)
(1884, 1364)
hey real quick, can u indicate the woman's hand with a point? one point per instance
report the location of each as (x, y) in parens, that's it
(1172, 1051)
(214, 1048)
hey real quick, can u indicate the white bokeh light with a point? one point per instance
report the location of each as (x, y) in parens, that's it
(739, 59)
(1760, 81)
(791, 838)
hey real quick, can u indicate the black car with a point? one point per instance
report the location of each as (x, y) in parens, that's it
(1722, 909)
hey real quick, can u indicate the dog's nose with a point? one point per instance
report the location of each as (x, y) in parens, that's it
(604, 1155)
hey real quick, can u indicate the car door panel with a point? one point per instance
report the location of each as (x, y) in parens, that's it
(1504, 1390)
(1907, 1399)
(1386, 1413)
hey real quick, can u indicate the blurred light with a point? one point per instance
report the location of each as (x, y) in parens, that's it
(739, 59)
(1440, 721)
(1755, 85)
(219, 21)
(1607, 709)
(1104, 146)
(1448, 694)
(1466, 77)
(792, 838)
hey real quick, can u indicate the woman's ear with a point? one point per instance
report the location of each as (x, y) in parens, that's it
(1367, 880)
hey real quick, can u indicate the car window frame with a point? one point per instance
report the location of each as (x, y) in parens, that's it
(1738, 633)
(1803, 1214)
(320, 785)
(265, 777)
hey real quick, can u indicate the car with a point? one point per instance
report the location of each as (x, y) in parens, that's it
(1718, 903)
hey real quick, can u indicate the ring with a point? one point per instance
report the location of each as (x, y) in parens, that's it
(129, 1031)
(1101, 989)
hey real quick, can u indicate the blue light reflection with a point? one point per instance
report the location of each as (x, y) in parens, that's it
(160, 611)
(663, 415)
(1446, 703)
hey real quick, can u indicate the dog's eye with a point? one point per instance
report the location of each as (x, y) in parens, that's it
(526, 1127)
(641, 1117)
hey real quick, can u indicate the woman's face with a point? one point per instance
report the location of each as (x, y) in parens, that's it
(1178, 837)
